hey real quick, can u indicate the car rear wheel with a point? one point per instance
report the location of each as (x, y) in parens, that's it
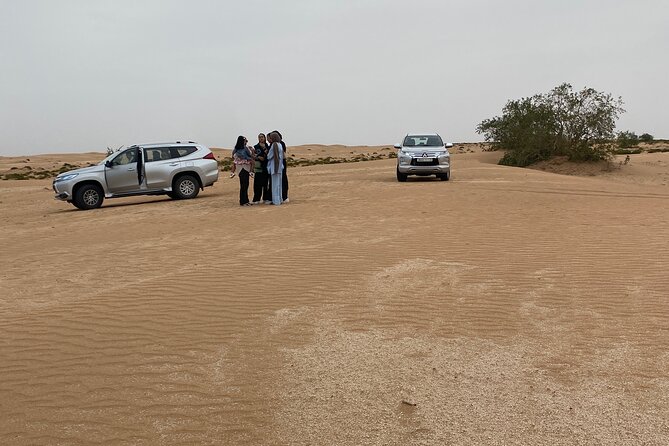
(185, 187)
(88, 196)
(401, 177)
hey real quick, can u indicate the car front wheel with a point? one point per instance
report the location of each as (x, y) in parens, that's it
(401, 177)
(88, 196)
(444, 176)
(185, 187)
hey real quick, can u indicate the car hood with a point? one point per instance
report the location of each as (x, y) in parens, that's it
(89, 169)
(423, 149)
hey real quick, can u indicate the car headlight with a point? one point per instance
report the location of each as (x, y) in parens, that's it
(445, 159)
(66, 177)
(405, 157)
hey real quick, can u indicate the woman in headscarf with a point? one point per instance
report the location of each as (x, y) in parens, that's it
(275, 166)
(284, 176)
(242, 157)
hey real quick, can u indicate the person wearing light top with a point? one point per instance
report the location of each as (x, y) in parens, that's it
(284, 175)
(275, 166)
(243, 160)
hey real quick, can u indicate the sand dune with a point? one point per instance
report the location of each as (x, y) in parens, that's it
(507, 306)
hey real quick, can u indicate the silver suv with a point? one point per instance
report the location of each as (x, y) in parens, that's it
(423, 154)
(178, 169)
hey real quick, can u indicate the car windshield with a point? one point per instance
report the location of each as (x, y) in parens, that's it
(423, 140)
(110, 156)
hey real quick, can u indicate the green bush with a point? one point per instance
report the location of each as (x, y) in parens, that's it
(562, 122)
(646, 137)
(627, 139)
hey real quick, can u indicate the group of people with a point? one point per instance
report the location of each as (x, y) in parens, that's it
(266, 164)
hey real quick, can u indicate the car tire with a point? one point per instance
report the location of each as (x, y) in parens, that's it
(88, 196)
(444, 176)
(185, 187)
(401, 177)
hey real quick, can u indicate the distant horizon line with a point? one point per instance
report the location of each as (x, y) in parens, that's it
(61, 152)
(65, 152)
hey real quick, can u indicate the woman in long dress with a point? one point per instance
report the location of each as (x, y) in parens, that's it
(275, 166)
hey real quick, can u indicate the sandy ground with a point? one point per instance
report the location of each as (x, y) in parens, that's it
(507, 306)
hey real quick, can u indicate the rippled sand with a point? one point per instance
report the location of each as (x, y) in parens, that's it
(507, 306)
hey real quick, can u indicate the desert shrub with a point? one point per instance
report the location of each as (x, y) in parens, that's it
(225, 163)
(627, 139)
(562, 122)
(646, 137)
(627, 151)
(658, 150)
(16, 176)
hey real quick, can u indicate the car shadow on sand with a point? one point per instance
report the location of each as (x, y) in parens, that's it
(413, 179)
(124, 203)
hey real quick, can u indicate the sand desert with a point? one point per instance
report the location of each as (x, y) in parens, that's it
(507, 306)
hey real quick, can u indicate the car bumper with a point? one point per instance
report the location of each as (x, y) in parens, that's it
(424, 170)
(63, 192)
(209, 174)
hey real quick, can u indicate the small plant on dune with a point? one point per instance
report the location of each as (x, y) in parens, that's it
(627, 151)
(16, 176)
(225, 164)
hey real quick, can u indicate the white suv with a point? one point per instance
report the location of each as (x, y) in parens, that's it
(423, 154)
(177, 169)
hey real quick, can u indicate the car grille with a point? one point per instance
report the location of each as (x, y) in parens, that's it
(427, 154)
(415, 162)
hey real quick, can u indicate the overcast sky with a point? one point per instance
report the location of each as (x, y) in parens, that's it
(84, 75)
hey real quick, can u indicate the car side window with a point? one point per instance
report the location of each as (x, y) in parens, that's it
(184, 151)
(128, 156)
(158, 154)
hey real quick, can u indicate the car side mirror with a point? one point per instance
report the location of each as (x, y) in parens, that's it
(108, 164)
(448, 145)
(397, 146)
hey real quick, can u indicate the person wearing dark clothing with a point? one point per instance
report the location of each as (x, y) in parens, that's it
(261, 190)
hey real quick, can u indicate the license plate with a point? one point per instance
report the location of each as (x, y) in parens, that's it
(424, 160)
